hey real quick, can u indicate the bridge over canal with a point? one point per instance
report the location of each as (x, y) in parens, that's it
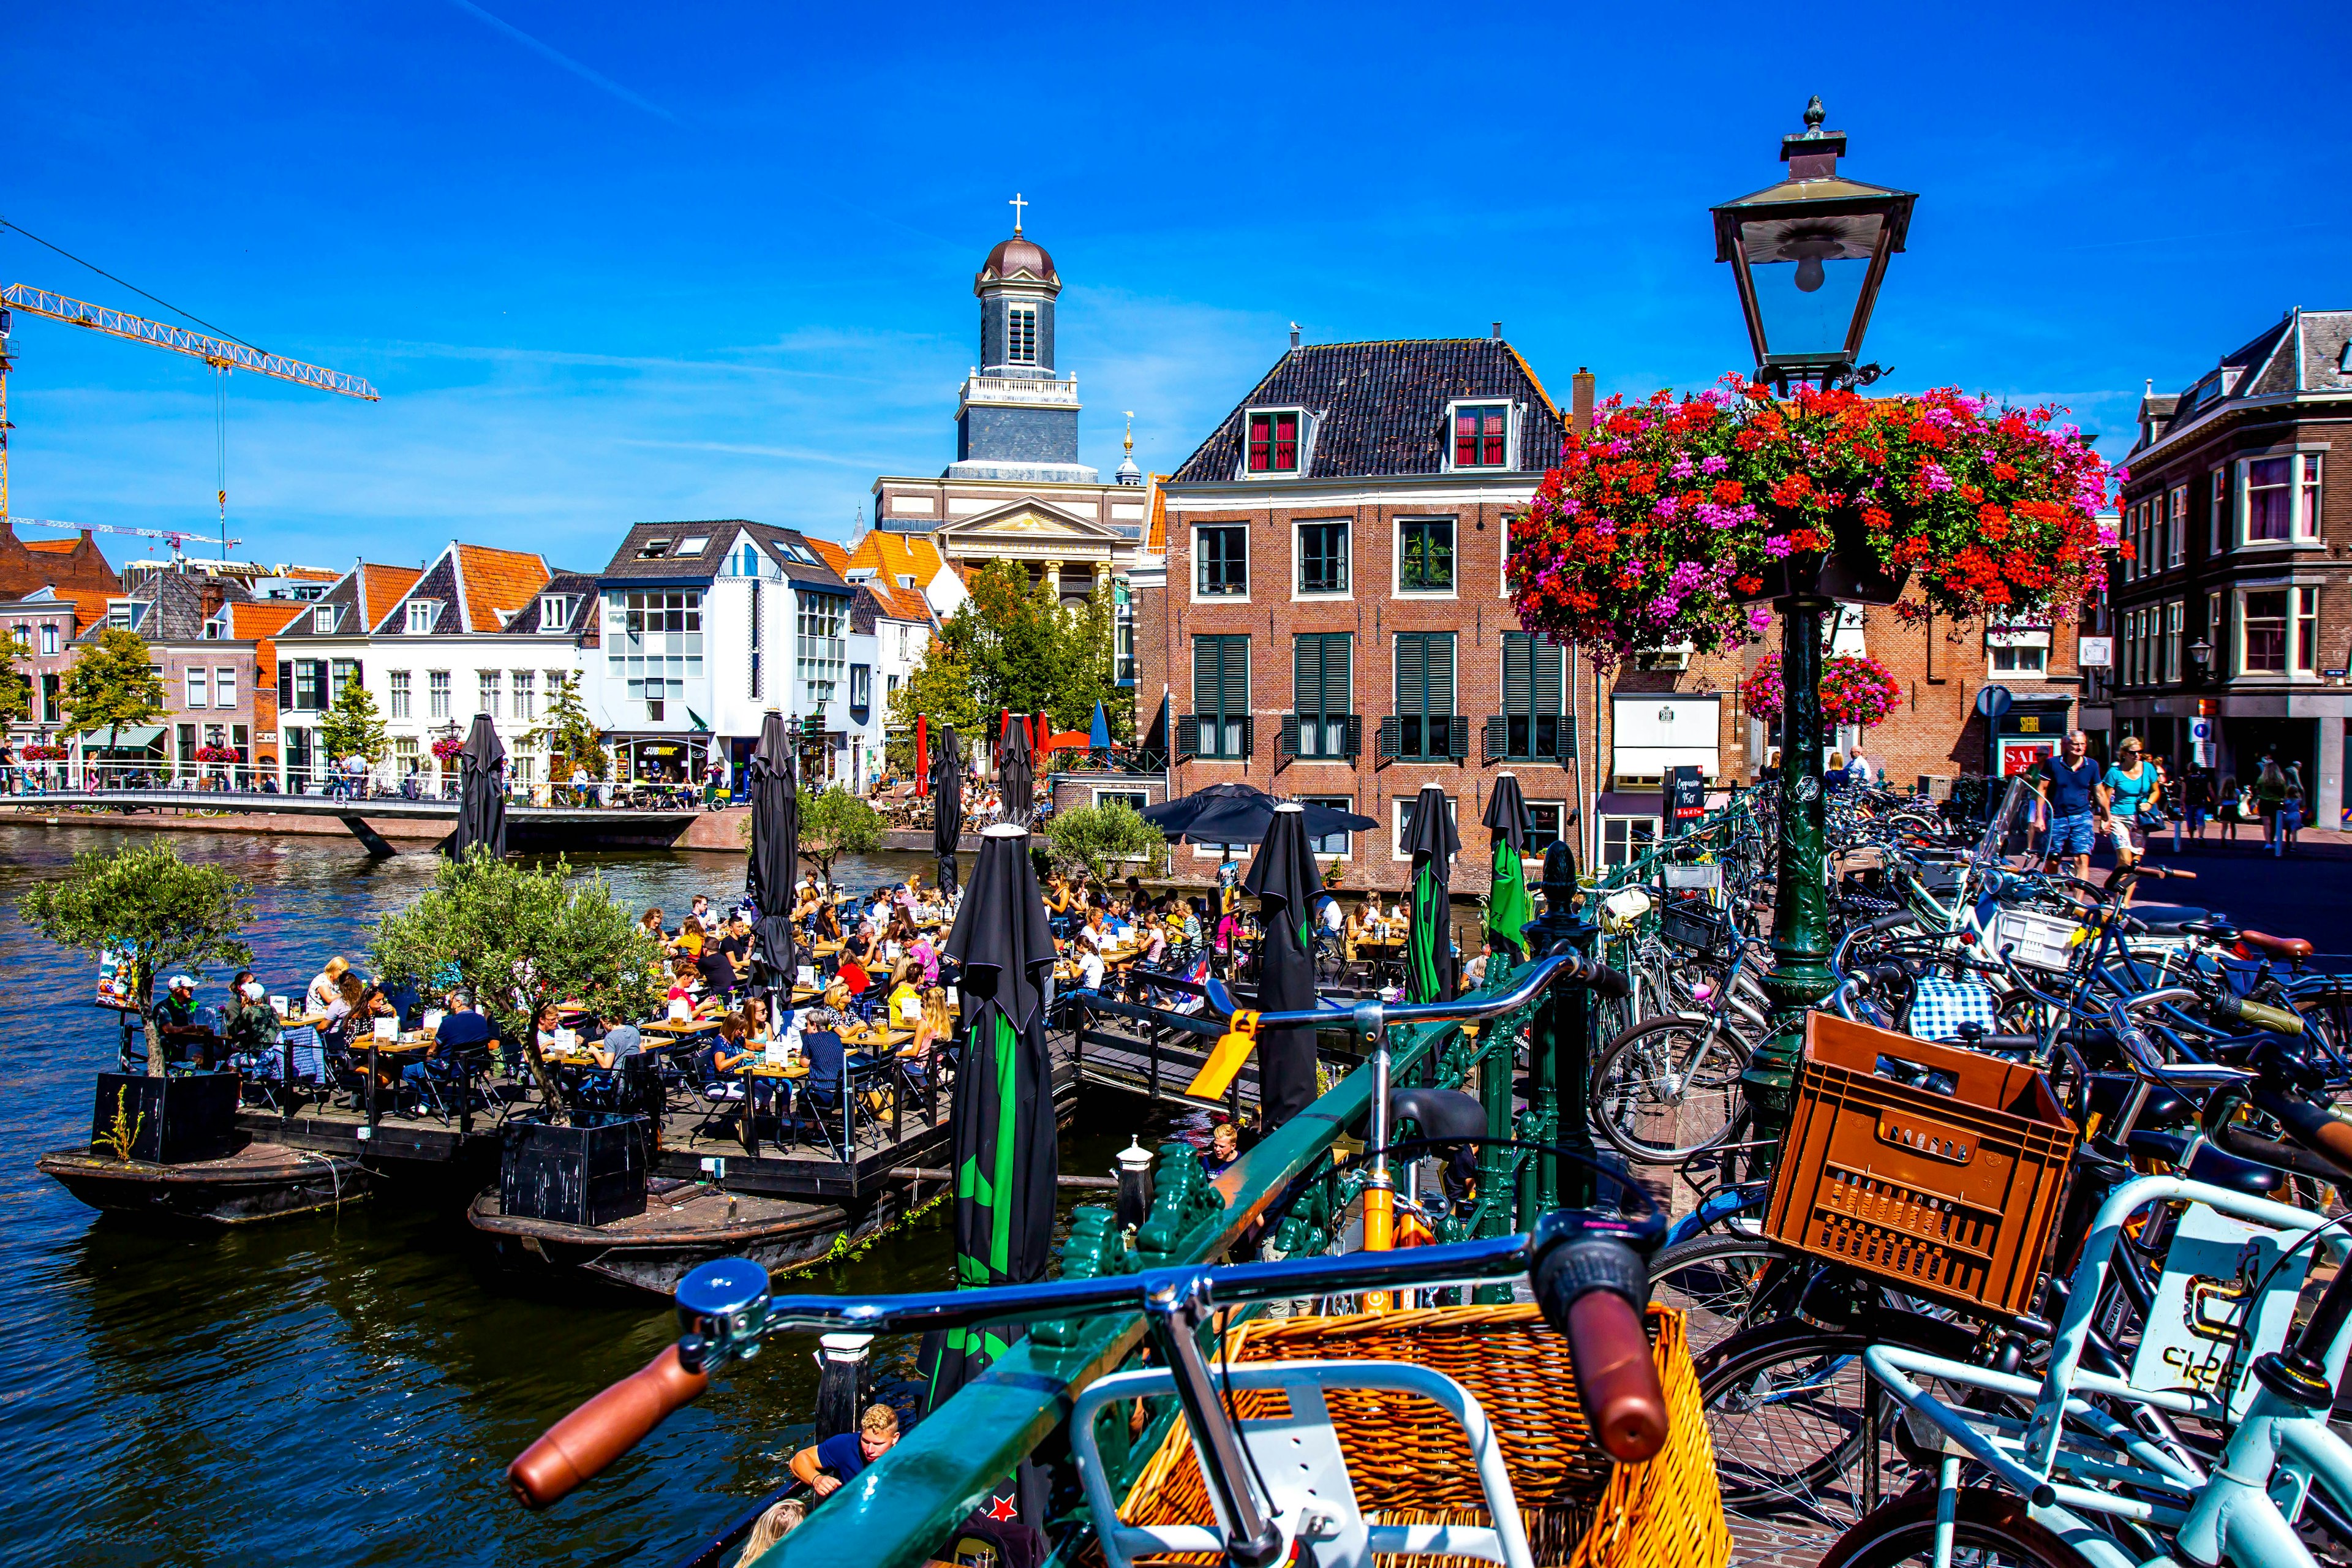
(528, 826)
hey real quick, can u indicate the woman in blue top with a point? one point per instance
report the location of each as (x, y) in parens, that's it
(2131, 786)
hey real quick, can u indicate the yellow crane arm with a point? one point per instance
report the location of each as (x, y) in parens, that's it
(215, 352)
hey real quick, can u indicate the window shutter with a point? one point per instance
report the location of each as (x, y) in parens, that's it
(1338, 657)
(1355, 736)
(1187, 736)
(1441, 672)
(1411, 677)
(1551, 662)
(285, 684)
(1289, 742)
(1236, 674)
(1391, 740)
(1306, 683)
(1457, 739)
(1498, 734)
(1519, 678)
(1208, 675)
(1249, 736)
(1568, 736)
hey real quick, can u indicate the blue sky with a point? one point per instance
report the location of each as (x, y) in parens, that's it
(608, 263)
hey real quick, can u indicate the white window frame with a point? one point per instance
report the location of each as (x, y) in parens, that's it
(1305, 444)
(2016, 638)
(49, 639)
(399, 695)
(224, 686)
(322, 620)
(1012, 337)
(2217, 503)
(2176, 613)
(1565, 828)
(1249, 576)
(1396, 556)
(196, 687)
(490, 691)
(1346, 803)
(437, 694)
(2176, 528)
(2302, 520)
(1600, 835)
(1396, 822)
(554, 613)
(2299, 592)
(1510, 435)
(1299, 526)
(421, 614)
(524, 685)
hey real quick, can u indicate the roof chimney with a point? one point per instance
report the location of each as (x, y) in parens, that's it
(1580, 401)
(1499, 331)
(1294, 334)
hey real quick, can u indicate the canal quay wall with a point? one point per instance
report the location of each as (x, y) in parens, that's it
(715, 831)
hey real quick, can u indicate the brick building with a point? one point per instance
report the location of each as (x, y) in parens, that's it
(28, 565)
(209, 673)
(2235, 612)
(1331, 621)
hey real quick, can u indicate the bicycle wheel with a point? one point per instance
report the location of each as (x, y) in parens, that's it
(1791, 1414)
(1711, 1280)
(1991, 1530)
(1667, 1088)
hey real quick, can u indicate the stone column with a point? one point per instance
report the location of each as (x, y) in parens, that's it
(1053, 579)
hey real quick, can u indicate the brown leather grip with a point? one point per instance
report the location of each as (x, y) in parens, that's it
(2332, 1138)
(607, 1426)
(1615, 1378)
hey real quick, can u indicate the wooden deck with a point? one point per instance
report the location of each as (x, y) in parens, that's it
(464, 1150)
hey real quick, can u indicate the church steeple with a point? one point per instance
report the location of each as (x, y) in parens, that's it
(1128, 474)
(1019, 418)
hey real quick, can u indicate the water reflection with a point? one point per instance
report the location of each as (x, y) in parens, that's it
(347, 1388)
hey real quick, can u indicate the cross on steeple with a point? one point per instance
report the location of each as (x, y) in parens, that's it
(1017, 204)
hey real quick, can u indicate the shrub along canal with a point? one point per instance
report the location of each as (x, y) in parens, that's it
(349, 1388)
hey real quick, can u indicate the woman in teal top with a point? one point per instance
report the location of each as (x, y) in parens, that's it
(2131, 785)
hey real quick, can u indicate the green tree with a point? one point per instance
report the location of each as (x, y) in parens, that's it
(151, 908)
(521, 938)
(938, 689)
(16, 689)
(111, 685)
(351, 728)
(1092, 840)
(1025, 652)
(834, 823)
(569, 736)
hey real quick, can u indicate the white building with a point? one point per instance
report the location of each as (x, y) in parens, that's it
(708, 627)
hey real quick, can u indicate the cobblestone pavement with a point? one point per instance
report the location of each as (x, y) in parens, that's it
(1786, 1544)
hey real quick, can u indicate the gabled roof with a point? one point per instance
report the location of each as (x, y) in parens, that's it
(496, 583)
(361, 596)
(88, 606)
(2303, 351)
(1378, 408)
(576, 586)
(260, 618)
(891, 556)
(170, 606)
(832, 555)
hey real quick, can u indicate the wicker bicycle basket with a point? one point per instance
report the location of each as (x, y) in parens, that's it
(1410, 1464)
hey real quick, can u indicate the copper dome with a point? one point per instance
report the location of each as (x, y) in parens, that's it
(1015, 255)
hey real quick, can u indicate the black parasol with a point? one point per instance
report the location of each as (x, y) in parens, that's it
(1014, 780)
(482, 801)
(775, 854)
(1282, 878)
(1001, 1123)
(1241, 814)
(947, 810)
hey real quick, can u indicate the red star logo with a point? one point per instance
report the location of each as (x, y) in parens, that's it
(1000, 1510)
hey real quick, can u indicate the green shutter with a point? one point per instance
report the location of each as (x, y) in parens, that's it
(1236, 673)
(1306, 674)
(1550, 661)
(1337, 651)
(1518, 672)
(1207, 676)
(1412, 674)
(1441, 672)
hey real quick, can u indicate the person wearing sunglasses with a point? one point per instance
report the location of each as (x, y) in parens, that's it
(2131, 784)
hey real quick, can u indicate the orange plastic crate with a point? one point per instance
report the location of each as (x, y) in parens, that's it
(1947, 1196)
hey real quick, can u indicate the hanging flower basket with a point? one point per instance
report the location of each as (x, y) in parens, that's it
(217, 754)
(1856, 689)
(1668, 519)
(448, 748)
(41, 753)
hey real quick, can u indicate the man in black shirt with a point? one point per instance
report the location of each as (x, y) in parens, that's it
(177, 1022)
(720, 974)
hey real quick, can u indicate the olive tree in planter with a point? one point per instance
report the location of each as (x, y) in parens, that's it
(521, 938)
(1092, 841)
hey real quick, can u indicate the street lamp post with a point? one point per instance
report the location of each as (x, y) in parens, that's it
(1809, 255)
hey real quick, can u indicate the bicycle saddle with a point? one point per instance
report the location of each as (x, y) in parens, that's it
(2289, 947)
(2215, 1167)
(2213, 929)
(2166, 919)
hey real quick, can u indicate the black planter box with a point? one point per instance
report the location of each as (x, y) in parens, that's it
(188, 1117)
(590, 1174)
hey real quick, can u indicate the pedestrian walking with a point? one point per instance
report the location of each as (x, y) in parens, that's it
(2070, 789)
(2270, 795)
(2292, 808)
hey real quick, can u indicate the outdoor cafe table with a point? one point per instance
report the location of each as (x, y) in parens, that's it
(412, 1046)
(860, 1042)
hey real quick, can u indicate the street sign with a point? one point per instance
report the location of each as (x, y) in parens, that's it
(1994, 701)
(2095, 653)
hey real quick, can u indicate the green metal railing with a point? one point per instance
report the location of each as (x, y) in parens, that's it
(901, 1511)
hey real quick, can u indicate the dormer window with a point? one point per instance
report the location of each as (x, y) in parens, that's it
(906, 579)
(554, 613)
(121, 613)
(422, 613)
(1273, 445)
(654, 550)
(693, 544)
(1482, 434)
(323, 621)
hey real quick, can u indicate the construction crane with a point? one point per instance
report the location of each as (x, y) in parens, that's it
(222, 355)
(175, 537)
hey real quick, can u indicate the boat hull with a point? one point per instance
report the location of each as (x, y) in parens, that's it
(679, 1231)
(259, 1181)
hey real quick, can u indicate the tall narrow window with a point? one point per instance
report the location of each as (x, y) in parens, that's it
(2173, 615)
(342, 672)
(1020, 335)
(399, 695)
(436, 692)
(526, 694)
(1424, 723)
(2263, 624)
(2214, 638)
(1220, 718)
(2217, 514)
(199, 683)
(486, 685)
(1482, 435)
(1323, 557)
(1321, 694)
(2176, 527)
(1272, 444)
(1533, 725)
(224, 688)
(1426, 555)
(49, 640)
(1223, 552)
(2306, 630)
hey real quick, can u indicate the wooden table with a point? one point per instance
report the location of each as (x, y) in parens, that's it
(891, 1040)
(678, 1031)
(414, 1046)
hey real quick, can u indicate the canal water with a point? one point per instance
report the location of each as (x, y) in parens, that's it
(347, 1390)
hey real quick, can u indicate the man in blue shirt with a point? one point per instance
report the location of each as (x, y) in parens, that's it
(826, 1465)
(2077, 801)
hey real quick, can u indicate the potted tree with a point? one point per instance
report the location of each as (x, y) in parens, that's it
(155, 914)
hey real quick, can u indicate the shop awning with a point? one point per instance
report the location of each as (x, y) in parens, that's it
(129, 738)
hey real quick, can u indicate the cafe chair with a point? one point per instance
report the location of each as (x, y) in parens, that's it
(832, 1092)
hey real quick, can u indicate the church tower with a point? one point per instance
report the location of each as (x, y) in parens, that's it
(1016, 418)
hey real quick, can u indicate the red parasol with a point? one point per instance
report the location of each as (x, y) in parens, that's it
(922, 754)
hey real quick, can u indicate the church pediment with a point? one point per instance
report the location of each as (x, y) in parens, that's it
(1028, 518)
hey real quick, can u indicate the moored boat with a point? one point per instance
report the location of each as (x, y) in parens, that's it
(258, 1181)
(683, 1225)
